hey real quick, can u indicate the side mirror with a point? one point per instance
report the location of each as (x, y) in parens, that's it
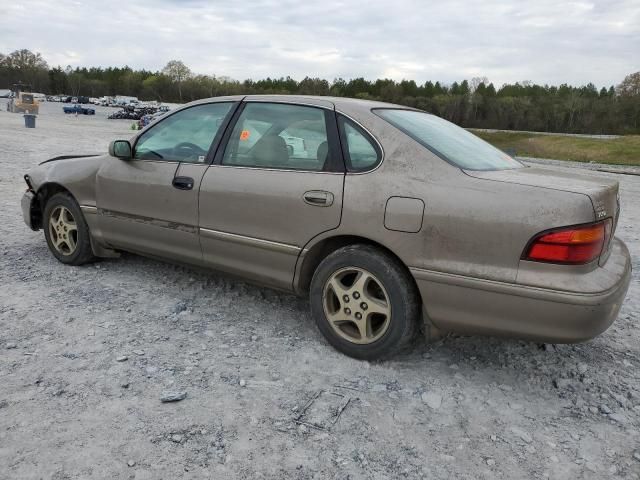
(120, 149)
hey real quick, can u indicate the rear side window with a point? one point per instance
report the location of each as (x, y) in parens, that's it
(450, 142)
(360, 151)
(285, 136)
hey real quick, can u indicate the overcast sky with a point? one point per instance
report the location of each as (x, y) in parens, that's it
(546, 41)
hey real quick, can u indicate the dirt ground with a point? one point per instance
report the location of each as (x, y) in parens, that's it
(87, 353)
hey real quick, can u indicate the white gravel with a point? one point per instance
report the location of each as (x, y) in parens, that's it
(266, 397)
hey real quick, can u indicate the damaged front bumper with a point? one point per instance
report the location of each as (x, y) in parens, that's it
(27, 210)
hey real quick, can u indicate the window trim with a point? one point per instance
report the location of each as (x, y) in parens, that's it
(433, 150)
(341, 117)
(336, 164)
(214, 142)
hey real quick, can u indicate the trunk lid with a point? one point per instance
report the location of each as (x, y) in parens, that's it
(601, 190)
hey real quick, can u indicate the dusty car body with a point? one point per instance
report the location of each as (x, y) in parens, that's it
(465, 249)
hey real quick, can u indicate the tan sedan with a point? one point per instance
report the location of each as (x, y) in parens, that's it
(388, 218)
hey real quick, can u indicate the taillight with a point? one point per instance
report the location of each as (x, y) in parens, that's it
(572, 245)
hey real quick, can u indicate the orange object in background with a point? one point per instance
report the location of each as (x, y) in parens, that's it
(244, 135)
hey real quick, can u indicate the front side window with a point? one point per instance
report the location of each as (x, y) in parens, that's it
(185, 136)
(450, 142)
(272, 135)
(360, 150)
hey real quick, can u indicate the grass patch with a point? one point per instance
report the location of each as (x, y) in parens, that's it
(624, 150)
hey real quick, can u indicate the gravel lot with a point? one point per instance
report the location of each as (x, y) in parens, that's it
(87, 353)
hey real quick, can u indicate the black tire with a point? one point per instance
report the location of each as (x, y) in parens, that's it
(82, 253)
(399, 287)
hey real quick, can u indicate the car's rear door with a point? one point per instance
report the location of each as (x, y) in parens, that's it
(276, 184)
(149, 204)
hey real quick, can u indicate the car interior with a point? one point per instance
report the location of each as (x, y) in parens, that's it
(292, 138)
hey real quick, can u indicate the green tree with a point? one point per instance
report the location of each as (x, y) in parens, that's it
(630, 86)
(470, 103)
(75, 80)
(178, 72)
(27, 67)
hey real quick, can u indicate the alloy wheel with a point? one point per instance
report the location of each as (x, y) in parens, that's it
(356, 305)
(63, 230)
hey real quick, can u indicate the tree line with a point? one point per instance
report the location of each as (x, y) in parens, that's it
(475, 103)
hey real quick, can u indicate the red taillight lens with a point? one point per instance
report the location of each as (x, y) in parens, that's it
(574, 245)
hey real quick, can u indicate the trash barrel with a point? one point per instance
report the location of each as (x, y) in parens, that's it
(30, 120)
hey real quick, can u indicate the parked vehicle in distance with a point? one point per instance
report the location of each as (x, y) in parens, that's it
(106, 101)
(395, 217)
(23, 100)
(295, 145)
(124, 101)
(132, 112)
(150, 118)
(79, 109)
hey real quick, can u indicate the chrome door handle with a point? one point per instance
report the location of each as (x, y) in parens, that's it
(318, 198)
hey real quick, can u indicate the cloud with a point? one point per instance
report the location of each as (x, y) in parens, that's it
(541, 40)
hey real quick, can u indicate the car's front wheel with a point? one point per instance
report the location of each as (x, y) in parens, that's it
(66, 230)
(365, 302)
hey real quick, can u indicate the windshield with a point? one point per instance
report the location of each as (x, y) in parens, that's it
(450, 142)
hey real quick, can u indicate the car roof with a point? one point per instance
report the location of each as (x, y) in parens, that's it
(342, 104)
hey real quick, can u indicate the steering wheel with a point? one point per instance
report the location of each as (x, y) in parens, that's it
(193, 151)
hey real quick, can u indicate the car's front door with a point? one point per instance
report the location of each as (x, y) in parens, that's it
(149, 204)
(277, 183)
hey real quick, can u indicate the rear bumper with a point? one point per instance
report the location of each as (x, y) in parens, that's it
(25, 203)
(478, 306)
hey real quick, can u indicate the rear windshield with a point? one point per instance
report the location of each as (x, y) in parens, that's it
(448, 141)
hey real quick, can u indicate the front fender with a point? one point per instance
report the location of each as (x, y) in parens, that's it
(74, 174)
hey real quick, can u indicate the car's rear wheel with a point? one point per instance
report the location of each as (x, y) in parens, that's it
(66, 230)
(365, 302)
